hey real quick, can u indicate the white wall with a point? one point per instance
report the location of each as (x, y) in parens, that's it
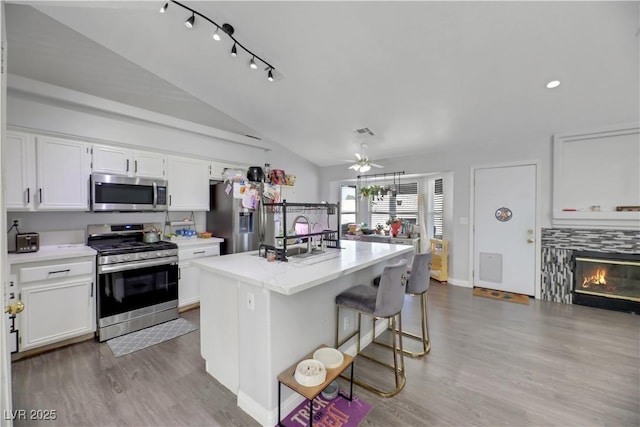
(456, 165)
(41, 112)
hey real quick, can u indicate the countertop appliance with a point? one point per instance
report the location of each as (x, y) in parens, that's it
(27, 242)
(228, 219)
(137, 282)
(123, 193)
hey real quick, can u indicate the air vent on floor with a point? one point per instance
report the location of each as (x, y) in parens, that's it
(364, 131)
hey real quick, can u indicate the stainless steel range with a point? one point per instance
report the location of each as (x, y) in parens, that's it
(137, 281)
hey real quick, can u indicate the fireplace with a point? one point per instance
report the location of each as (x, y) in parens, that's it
(607, 280)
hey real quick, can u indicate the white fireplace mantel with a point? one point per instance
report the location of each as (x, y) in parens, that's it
(595, 171)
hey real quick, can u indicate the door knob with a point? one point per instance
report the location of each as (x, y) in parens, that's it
(530, 240)
(15, 308)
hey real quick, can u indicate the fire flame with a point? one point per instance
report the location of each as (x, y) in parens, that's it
(599, 278)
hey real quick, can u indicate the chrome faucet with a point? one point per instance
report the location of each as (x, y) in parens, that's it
(306, 218)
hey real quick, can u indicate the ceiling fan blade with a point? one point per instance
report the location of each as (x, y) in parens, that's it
(358, 156)
(354, 166)
(375, 165)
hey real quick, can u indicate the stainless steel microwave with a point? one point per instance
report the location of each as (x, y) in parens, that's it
(123, 193)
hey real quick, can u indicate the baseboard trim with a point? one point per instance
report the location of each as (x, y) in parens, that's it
(462, 283)
(49, 347)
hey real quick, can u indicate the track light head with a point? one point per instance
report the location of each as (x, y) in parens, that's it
(163, 9)
(216, 35)
(270, 75)
(190, 21)
(253, 64)
(234, 50)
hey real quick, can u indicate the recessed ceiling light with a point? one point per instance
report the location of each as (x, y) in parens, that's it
(553, 84)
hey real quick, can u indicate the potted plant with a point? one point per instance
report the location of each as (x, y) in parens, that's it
(395, 223)
(379, 228)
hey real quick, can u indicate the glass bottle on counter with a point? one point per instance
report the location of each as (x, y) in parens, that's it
(267, 172)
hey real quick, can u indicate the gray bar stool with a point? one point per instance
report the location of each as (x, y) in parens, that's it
(385, 302)
(418, 279)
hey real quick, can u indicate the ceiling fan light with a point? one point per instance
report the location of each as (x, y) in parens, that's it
(365, 168)
(234, 50)
(190, 21)
(163, 9)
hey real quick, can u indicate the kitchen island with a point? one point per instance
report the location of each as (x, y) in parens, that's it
(259, 317)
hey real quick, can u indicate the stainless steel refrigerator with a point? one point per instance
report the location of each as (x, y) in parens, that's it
(228, 219)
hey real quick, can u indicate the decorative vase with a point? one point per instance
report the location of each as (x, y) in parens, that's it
(395, 228)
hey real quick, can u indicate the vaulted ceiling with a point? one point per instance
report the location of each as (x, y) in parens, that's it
(423, 76)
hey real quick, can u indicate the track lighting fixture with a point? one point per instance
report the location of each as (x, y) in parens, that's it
(189, 22)
(217, 35)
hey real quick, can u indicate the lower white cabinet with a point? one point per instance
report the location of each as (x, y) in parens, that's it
(59, 301)
(189, 278)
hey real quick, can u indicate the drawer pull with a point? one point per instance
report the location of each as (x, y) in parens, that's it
(60, 271)
(199, 252)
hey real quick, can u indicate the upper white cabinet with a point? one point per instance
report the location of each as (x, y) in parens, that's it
(121, 161)
(20, 170)
(62, 174)
(51, 173)
(216, 170)
(188, 184)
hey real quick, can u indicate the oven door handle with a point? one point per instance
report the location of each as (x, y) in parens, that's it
(135, 265)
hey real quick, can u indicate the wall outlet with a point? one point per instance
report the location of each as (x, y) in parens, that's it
(345, 323)
(250, 302)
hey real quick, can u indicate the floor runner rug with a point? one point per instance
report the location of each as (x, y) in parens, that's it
(336, 412)
(501, 295)
(153, 335)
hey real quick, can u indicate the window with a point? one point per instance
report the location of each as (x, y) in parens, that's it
(403, 205)
(348, 204)
(438, 209)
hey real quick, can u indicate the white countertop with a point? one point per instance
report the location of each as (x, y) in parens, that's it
(53, 252)
(194, 241)
(299, 274)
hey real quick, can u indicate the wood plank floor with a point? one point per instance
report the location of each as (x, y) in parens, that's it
(492, 363)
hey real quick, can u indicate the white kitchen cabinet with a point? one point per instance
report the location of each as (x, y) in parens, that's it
(20, 170)
(50, 173)
(62, 174)
(122, 161)
(59, 300)
(189, 278)
(188, 182)
(216, 170)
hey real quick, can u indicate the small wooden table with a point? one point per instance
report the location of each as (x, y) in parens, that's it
(287, 378)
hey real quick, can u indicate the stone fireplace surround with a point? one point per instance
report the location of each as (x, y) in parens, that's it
(558, 245)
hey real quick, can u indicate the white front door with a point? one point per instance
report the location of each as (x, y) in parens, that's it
(5, 363)
(505, 228)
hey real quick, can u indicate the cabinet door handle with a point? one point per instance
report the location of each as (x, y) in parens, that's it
(135, 166)
(199, 252)
(179, 273)
(91, 296)
(60, 271)
(28, 195)
(169, 199)
(127, 165)
(40, 194)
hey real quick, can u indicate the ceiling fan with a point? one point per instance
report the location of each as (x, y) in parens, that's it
(363, 164)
